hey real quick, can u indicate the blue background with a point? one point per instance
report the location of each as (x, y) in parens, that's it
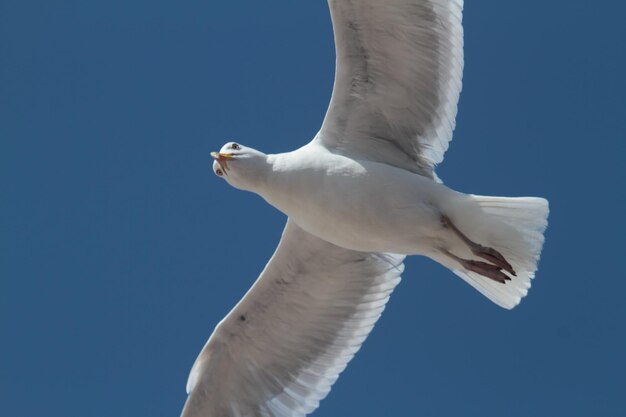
(120, 250)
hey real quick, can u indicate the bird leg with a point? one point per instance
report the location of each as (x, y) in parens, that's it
(481, 251)
(483, 268)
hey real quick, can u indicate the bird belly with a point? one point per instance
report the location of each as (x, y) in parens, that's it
(371, 208)
(416, 234)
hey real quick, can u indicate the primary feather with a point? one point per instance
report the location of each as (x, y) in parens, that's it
(278, 352)
(398, 79)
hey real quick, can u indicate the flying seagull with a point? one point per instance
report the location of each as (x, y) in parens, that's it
(361, 196)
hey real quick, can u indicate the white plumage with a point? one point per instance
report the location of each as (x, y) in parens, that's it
(398, 80)
(360, 197)
(280, 349)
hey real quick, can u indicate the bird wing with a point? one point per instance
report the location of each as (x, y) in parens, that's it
(280, 349)
(397, 83)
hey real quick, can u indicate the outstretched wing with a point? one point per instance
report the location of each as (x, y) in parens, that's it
(397, 82)
(278, 352)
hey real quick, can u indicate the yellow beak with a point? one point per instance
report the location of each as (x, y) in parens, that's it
(220, 156)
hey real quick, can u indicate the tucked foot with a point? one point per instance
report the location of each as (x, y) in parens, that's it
(492, 256)
(481, 251)
(493, 272)
(487, 270)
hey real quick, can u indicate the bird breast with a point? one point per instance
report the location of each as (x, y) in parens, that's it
(359, 205)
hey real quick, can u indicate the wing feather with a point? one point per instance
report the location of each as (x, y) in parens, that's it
(398, 79)
(281, 348)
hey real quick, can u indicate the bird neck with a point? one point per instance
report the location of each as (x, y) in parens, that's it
(274, 179)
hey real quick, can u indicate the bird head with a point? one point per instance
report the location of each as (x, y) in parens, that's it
(241, 166)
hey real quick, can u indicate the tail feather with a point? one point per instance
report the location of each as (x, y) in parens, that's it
(514, 227)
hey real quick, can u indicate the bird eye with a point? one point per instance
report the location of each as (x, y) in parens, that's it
(235, 146)
(219, 172)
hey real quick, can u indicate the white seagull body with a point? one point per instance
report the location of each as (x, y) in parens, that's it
(360, 197)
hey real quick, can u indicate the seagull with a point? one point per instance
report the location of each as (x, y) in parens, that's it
(360, 197)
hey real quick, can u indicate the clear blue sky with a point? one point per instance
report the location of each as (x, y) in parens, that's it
(120, 250)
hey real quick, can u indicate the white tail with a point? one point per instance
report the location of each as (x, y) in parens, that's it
(512, 226)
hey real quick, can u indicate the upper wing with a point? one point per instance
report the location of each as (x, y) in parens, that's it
(280, 349)
(397, 82)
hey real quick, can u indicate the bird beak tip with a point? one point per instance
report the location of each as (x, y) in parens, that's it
(219, 156)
